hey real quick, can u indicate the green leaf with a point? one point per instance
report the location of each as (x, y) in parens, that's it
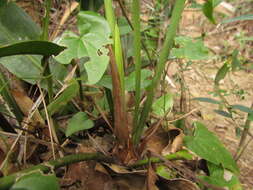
(223, 113)
(163, 104)
(124, 27)
(31, 47)
(222, 72)
(242, 108)
(163, 172)
(207, 9)
(70, 92)
(250, 117)
(217, 178)
(78, 122)
(36, 181)
(5, 93)
(208, 100)
(17, 26)
(106, 80)
(190, 49)
(95, 33)
(206, 145)
(239, 18)
(235, 61)
(145, 82)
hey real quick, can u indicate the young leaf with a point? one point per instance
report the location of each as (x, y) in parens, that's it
(70, 92)
(162, 104)
(163, 172)
(78, 122)
(94, 36)
(189, 49)
(221, 73)
(208, 100)
(206, 145)
(36, 181)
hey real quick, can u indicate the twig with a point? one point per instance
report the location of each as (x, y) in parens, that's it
(30, 115)
(49, 123)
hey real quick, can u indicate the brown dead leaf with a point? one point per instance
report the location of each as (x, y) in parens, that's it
(25, 103)
(175, 141)
(180, 184)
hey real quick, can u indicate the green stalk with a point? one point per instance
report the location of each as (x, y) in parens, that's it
(244, 136)
(49, 78)
(168, 44)
(116, 44)
(109, 14)
(45, 60)
(137, 57)
(119, 58)
(46, 20)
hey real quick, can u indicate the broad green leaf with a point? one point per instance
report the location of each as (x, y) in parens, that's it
(78, 122)
(223, 113)
(163, 104)
(222, 72)
(190, 49)
(106, 80)
(70, 92)
(145, 82)
(124, 27)
(31, 47)
(235, 61)
(206, 145)
(36, 181)
(239, 18)
(163, 172)
(208, 100)
(94, 36)
(242, 108)
(217, 178)
(17, 26)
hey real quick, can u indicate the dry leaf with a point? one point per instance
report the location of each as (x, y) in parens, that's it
(175, 141)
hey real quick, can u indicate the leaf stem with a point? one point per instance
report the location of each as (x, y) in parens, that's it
(168, 44)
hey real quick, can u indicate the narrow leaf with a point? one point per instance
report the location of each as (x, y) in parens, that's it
(208, 10)
(208, 100)
(223, 113)
(31, 47)
(242, 108)
(70, 92)
(221, 73)
(239, 18)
